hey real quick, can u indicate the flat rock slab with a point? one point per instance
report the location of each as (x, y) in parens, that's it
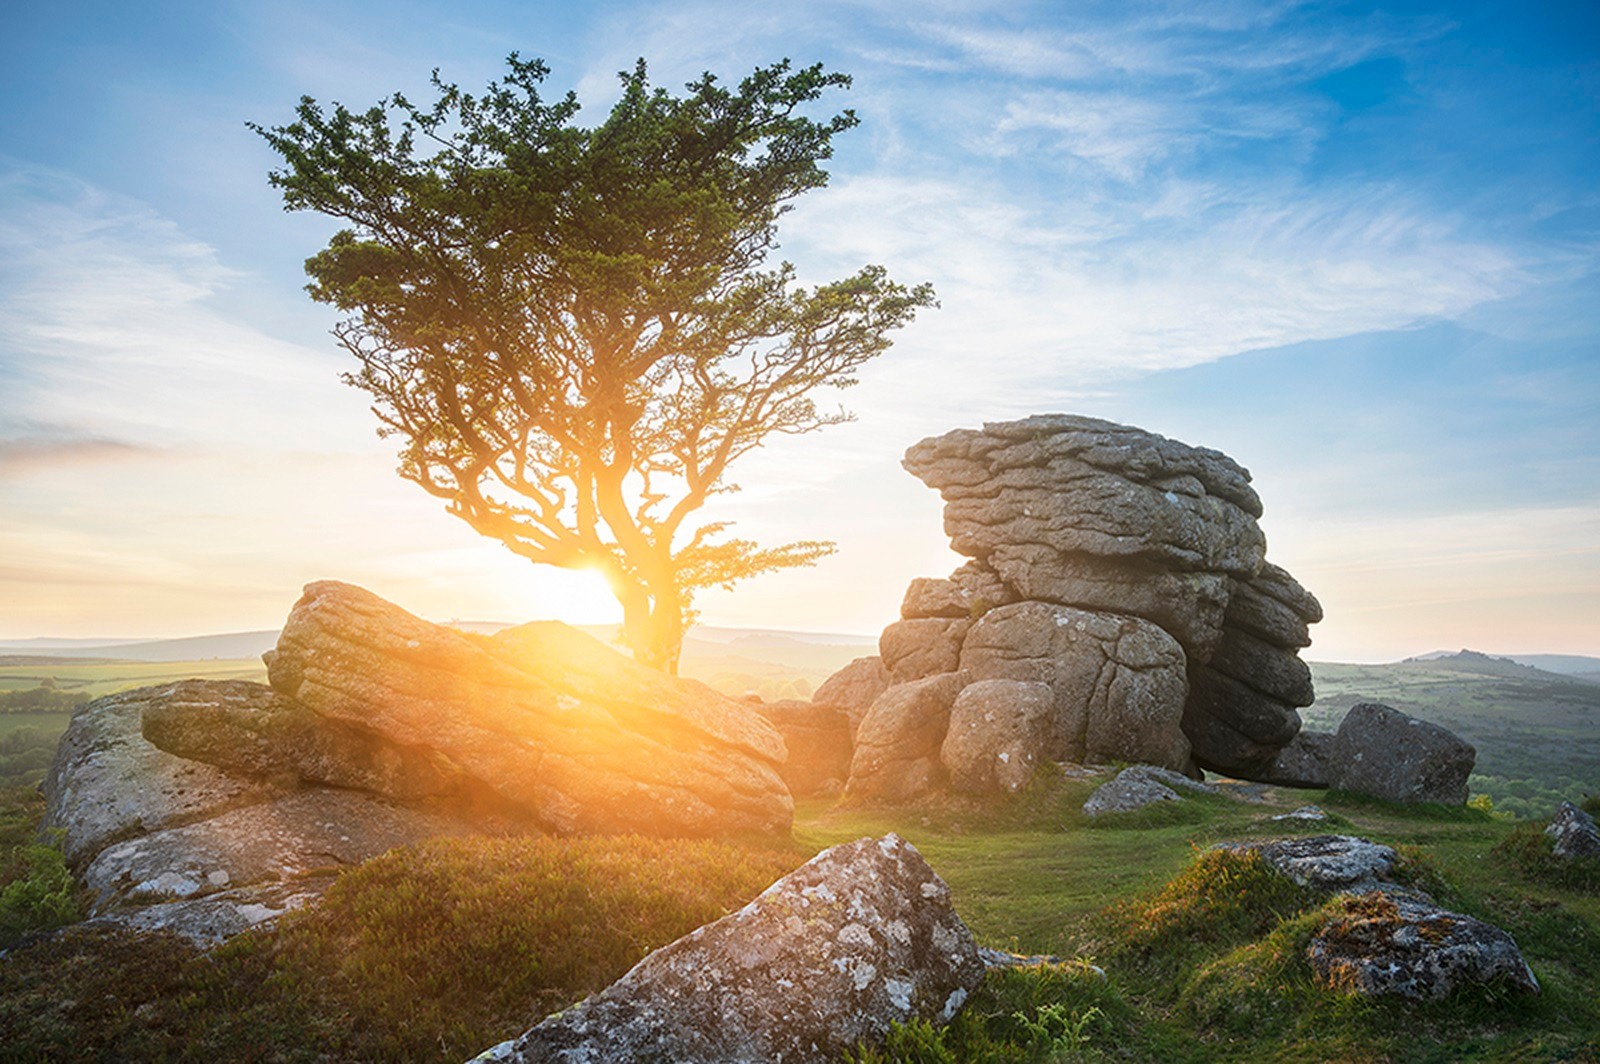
(318, 828)
(1139, 786)
(210, 920)
(550, 720)
(1379, 944)
(1326, 862)
(859, 937)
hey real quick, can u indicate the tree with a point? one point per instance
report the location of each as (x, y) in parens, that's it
(574, 332)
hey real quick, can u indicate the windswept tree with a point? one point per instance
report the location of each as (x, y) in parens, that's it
(574, 332)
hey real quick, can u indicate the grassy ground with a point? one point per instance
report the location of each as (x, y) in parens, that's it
(434, 952)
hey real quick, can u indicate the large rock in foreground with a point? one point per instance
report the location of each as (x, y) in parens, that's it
(549, 719)
(861, 936)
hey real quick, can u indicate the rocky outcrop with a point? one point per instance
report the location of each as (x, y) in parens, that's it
(1384, 753)
(254, 731)
(1302, 763)
(550, 720)
(1384, 937)
(1118, 681)
(853, 689)
(897, 749)
(1126, 571)
(166, 842)
(1573, 833)
(999, 732)
(861, 936)
(817, 737)
(209, 807)
(1382, 944)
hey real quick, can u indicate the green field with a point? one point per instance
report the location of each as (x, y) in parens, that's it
(97, 678)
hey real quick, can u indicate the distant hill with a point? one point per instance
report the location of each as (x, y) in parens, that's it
(229, 646)
(1537, 732)
(1564, 664)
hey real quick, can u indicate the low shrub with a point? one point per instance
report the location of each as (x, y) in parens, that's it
(1224, 896)
(37, 892)
(1528, 849)
(1036, 1014)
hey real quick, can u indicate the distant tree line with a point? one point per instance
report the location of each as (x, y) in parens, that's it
(46, 698)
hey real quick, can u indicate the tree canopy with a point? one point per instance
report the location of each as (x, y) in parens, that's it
(573, 332)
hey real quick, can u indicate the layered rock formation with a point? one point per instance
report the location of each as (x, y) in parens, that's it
(547, 718)
(1123, 570)
(208, 807)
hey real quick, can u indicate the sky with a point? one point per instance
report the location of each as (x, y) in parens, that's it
(1354, 246)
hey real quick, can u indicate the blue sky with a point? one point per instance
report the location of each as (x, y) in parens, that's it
(1355, 246)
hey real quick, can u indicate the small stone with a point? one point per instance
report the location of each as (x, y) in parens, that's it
(1574, 833)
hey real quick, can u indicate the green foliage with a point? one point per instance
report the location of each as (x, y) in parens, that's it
(37, 892)
(42, 699)
(1039, 1014)
(25, 755)
(575, 331)
(1531, 852)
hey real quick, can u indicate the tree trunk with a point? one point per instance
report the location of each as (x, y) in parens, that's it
(653, 627)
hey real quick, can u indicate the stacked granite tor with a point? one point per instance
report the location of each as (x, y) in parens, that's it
(1122, 571)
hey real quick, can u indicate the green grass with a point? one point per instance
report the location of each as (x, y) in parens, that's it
(437, 951)
(432, 952)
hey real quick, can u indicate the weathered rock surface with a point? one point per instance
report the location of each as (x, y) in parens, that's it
(1142, 541)
(1119, 681)
(1574, 833)
(1302, 763)
(108, 784)
(1384, 753)
(1327, 862)
(853, 689)
(1077, 484)
(312, 830)
(208, 807)
(1140, 785)
(549, 719)
(1386, 938)
(897, 749)
(1305, 812)
(999, 732)
(1380, 944)
(252, 730)
(859, 937)
(818, 740)
(164, 842)
(922, 647)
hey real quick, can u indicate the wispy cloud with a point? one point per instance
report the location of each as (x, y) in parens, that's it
(29, 454)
